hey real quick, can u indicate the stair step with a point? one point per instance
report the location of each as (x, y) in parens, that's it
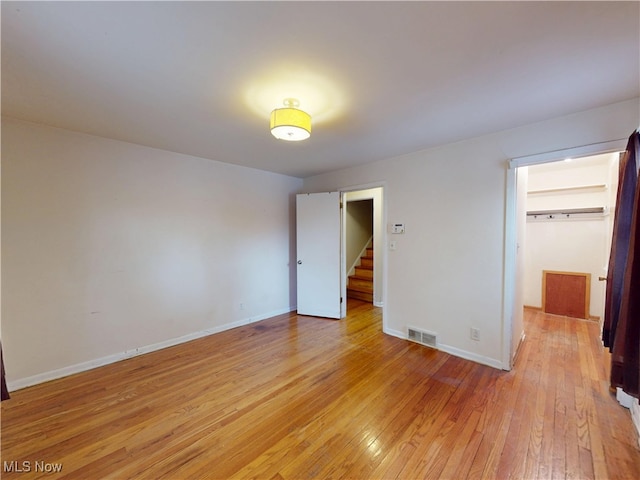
(361, 284)
(365, 296)
(364, 272)
(366, 262)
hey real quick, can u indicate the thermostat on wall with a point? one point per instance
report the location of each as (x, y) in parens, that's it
(397, 228)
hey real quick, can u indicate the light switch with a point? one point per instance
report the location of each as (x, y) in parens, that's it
(392, 245)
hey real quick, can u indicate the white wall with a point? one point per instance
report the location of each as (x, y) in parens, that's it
(570, 245)
(111, 248)
(359, 225)
(447, 274)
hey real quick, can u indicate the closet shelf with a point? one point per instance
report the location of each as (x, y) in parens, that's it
(567, 213)
(577, 188)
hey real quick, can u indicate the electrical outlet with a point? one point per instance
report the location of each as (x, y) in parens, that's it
(475, 334)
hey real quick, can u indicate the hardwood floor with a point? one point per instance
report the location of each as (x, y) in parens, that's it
(296, 397)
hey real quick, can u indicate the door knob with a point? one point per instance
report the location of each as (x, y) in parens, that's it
(602, 279)
(299, 262)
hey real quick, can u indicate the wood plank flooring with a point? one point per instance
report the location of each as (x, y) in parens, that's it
(296, 397)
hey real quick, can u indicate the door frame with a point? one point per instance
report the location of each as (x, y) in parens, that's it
(379, 244)
(510, 276)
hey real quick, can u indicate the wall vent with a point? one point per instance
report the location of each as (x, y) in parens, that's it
(424, 338)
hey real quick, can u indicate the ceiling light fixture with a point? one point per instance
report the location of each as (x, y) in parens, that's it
(290, 123)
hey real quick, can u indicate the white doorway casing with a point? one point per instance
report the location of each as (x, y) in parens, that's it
(517, 328)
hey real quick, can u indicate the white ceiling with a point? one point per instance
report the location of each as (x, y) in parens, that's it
(380, 79)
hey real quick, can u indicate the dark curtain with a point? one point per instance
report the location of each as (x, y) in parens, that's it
(621, 329)
(5, 392)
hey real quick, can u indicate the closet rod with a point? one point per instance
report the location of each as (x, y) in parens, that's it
(566, 211)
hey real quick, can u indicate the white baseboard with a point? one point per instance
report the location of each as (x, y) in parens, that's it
(99, 362)
(395, 333)
(490, 362)
(635, 416)
(456, 352)
(633, 405)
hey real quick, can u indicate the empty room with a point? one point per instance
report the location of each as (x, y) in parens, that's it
(285, 240)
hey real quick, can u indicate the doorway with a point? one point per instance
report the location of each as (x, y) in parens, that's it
(363, 235)
(321, 246)
(360, 260)
(568, 232)
(516, 214)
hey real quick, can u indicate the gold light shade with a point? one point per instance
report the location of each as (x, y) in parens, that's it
(290, 123)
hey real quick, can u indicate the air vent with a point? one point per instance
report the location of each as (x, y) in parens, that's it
(424, 338)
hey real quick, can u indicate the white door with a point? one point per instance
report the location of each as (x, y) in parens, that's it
(318, 251)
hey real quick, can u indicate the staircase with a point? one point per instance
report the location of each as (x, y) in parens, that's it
(360, 284)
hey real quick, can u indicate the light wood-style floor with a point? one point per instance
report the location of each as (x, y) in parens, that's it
(297, 397)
